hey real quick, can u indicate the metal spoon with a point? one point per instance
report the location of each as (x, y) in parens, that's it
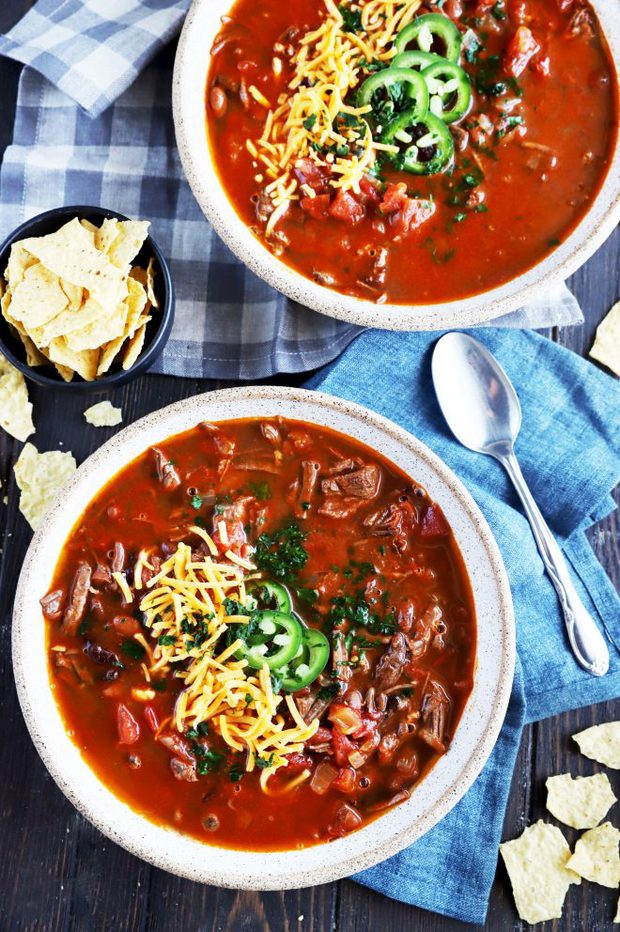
(483, 412)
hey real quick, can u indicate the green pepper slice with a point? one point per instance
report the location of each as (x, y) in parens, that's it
(271, 595)
(392, 90)
(415, 60)
(449, 89)
(271, 637)
(426, 144)
(309, 662)
(431, 33)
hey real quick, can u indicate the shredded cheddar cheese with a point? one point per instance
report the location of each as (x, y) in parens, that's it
(185, 609)
(312, 119)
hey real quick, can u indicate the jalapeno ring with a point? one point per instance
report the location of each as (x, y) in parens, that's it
(309, 662)
(271, 595)
(447, 85)
(402, 88)
(432, 32)
(407, 131)
(274, 640)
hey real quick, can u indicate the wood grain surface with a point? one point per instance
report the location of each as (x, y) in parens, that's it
(59, 874)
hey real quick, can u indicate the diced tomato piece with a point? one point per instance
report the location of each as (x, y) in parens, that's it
(345, 781)
(128, 727)
(151, 718)
(321, 736)
(393, 198)
(297, 763)
(346, 207)
(308, 172)
(235, 533)
(367, 729)
(317, 207)
(433, 523)
(412, 214)
(342, 748)
(370, 190)
(521, 48)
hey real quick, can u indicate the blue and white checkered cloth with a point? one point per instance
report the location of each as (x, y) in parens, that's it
(94, 126)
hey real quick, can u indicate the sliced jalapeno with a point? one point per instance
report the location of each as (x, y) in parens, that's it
(449, 89)
(308, 663)
(270, 595)
(431, 33)
(415, 60)
(271, 637)
(425, 143)
(392, 90)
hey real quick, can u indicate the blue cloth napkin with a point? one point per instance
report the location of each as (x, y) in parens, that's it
(84, 56)
(569, 449)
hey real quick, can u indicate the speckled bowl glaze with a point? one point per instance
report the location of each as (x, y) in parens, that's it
(430, 800)
(188, 97)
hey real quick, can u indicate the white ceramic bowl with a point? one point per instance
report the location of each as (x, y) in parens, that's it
(433, 798)
(188, 97)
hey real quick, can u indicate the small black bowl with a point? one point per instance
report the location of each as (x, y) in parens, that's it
(157, 330)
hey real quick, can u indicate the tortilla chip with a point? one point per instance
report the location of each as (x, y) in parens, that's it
(580, 803)
(617, 916)
(38, 298)
(134, 347)
(99, 331)
(108, 354)
(33, 356)
(64, 371)
(601, 743)
(130, 237)
(15, 409)
(606, 346)
(84, 363)
(71, 255)
(39, 477)
(537, 866)
(103, 414)
(90, 227)
(69, 321)
(136, 302)
(150, 283)
(19, 260)
(596, 856)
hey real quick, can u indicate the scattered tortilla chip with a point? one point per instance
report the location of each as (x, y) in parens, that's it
(103, 414)
(606, 346)
(582, 802)
(15, 409)
(596, 856)
(601, 743)
(536, 864)
(39, 477)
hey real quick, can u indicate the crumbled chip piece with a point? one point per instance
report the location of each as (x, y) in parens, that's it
(103, 414)
(582, 802)
(15, 409)
(596, 855)
(537, 866)
(606, 346)
(40, 476)
(601, 743)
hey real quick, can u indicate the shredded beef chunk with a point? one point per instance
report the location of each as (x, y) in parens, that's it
(78, 599)
(52, 604)
(435, 714)
(359, 483)
(166, 472)
(390, 666)
(183, 770)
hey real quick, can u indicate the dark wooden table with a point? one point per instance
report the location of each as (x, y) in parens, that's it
(58, 873)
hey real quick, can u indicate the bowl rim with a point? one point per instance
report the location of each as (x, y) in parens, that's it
(188, 93)
(162, 851)
(78, 385)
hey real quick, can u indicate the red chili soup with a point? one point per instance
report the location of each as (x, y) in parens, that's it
(411, 152)
(262, 634)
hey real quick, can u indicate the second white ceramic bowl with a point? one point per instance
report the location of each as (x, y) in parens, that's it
(188, 97)
(448, 780)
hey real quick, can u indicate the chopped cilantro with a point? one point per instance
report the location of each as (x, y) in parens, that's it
(261, 490)
(309, 122)
(351, 19)
(263, 762)
(167, 640)
(235, 773)
(282, 554)
(159, 685)
(207, 761)
(328, 692)
(200, 731)
(133, 649)
(509, 124)
(196, 501)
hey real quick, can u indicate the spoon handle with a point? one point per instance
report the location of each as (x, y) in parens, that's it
(585, 638)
